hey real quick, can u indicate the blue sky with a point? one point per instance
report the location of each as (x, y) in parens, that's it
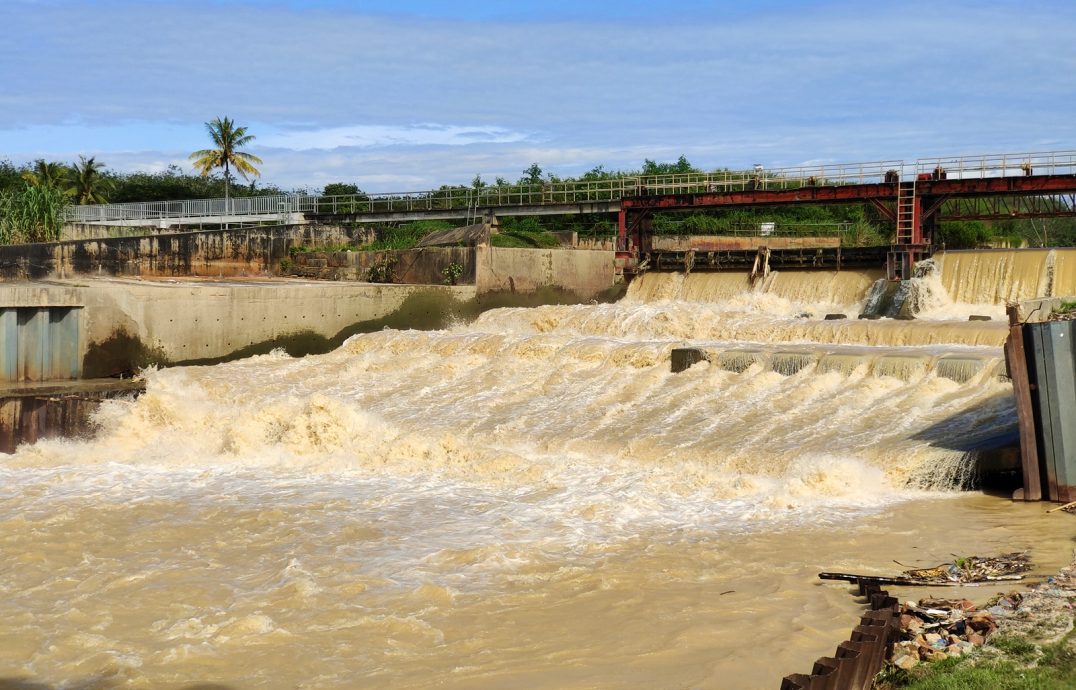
(406, 95)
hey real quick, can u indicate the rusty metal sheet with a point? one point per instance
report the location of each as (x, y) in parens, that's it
(858, 660)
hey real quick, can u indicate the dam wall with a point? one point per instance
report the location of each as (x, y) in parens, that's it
(584, 272)
(426, 265)
(126, 324)
(207, 253)
(998, 276)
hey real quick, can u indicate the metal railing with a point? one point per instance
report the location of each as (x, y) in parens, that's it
(998, 165)
(463, 198)
(470, 199)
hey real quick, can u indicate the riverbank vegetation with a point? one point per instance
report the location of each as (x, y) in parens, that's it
(1008, 663)
(88, 181)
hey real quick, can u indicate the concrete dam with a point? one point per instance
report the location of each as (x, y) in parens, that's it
(528, 497)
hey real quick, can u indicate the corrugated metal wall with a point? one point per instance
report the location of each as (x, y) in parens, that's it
(39, 344)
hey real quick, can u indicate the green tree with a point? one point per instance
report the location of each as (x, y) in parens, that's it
(341, 189)
(228, 140)
(47, 174)
(680, 167)
(532, 175)
(10, 177)
(89, 183)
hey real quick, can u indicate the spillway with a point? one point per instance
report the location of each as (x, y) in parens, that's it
(531, 499)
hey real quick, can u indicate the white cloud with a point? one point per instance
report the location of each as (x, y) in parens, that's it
(388, 135)
(835, 81)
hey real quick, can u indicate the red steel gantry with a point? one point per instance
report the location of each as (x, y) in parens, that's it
(994, 186)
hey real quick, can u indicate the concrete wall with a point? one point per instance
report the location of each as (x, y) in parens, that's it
(127, 323)
(586, 273)
(216, 253)
(413, 266)
(189, 321)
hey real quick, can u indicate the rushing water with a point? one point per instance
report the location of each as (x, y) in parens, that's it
(531, 500)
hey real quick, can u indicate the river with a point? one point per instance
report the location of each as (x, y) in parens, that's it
(528, 500)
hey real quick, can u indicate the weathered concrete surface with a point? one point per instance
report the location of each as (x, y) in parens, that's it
(1041, 308)
(131, 322)
(585, 272)
(710, 243)
(465, 235)
(209, 253)
(423, 266)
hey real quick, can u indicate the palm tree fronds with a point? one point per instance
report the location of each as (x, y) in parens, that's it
(228, 139)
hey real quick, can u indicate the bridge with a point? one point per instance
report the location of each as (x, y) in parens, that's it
(914, 196)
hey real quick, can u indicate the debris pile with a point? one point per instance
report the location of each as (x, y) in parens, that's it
(962, 571)
(975, 569)
(936, 629)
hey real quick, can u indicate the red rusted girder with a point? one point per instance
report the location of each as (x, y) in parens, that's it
(1029, 184)
(757, 197)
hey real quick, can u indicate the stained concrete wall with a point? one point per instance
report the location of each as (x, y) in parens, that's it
(185, 321)
(210, 253)
(584, 272)
(125, 320)
(414, 266)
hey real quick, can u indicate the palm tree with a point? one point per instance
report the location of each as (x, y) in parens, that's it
(88, 184)
(44, 174)
(228, 139)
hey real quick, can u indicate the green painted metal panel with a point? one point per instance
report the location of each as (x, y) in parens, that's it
(33, 336)
(1053, 360)
(64, 361)
(9, 344)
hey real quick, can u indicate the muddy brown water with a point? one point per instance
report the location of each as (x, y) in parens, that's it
(529, 500)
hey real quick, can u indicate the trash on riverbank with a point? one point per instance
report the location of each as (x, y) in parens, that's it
(937, 629)
(962, 571)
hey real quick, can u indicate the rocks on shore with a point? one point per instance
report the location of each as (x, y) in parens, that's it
(936, 629)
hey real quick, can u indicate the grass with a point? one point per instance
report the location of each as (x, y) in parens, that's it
(405, 236)
(1016, 664)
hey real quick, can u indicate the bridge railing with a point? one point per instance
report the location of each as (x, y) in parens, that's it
(460, 198)
(998, 165)
(187, 208)
(779, 178)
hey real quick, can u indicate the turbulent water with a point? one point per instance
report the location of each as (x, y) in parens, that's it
(531, 500)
